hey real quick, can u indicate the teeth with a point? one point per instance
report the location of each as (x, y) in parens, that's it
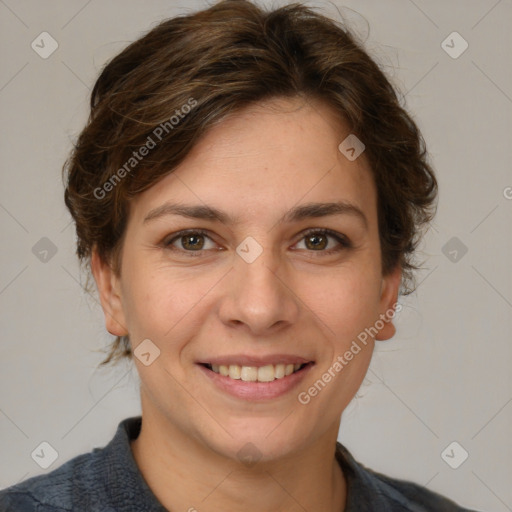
(279, 371)
(266, 373)
(249, 373)
(234, 371)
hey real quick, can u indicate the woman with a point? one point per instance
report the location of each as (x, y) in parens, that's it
(248, 195)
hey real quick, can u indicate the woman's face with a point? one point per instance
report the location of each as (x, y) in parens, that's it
(258, 289)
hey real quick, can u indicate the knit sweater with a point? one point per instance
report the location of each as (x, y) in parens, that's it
(108, 480)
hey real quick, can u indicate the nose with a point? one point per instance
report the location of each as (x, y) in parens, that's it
(260, 297)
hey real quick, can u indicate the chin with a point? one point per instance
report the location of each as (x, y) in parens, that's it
(252, 440)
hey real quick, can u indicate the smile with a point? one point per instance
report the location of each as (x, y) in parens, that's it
(266, 373)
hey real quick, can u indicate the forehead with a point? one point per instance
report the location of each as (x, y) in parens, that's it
(263, 161)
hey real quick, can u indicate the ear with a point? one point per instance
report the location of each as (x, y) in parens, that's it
(108, 287)
(388, 299)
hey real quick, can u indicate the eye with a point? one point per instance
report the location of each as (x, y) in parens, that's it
(194, 242)
(316, 240)
(190, 241)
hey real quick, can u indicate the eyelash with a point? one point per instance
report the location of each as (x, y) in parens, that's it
(341, 239)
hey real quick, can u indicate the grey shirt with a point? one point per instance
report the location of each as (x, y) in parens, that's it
(108, 479)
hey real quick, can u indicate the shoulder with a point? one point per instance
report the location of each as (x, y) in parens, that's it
(86, 482)
(409, 496)
(369, 490)
(54, 489)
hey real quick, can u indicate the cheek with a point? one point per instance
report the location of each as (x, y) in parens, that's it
(164, 306)
(345, 301)
(347, 308)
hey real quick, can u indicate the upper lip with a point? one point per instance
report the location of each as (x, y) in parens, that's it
(247, 360)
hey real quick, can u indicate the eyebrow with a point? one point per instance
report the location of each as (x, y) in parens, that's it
(298, 213)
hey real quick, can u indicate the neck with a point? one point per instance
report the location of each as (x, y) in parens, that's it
(185, 475)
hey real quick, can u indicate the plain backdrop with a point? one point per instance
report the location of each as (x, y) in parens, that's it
(444, 378)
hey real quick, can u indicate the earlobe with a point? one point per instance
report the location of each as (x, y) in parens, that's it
(389, 297)
(107, 284)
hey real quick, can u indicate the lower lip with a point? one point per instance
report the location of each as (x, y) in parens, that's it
(255, 391)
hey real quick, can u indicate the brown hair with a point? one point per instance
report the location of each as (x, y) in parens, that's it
(191, 71)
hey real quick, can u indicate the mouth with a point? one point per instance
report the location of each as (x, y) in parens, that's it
(256, 378)
(264, 373)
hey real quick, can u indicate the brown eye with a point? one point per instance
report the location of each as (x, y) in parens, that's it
(316, 241)
(194, 242)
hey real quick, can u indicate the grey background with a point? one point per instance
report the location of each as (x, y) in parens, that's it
(445, 376)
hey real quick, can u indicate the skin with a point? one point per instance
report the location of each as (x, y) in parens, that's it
(293, 299)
